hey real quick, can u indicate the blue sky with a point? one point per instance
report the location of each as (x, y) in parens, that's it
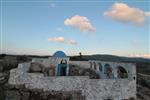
(41, 27)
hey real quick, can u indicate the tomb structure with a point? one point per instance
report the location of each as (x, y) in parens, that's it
(93, 80)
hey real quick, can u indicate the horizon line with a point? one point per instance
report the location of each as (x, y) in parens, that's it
(74, 55)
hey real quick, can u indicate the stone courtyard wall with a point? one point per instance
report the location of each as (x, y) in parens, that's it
(92, 89)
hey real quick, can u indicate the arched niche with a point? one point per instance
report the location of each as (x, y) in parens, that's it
(121, 72)
(108, 71)
(100, 67)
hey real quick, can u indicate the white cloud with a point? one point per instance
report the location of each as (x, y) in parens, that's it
(57, 39)
(124, 13)
(72, 42)
(80, 22)
(62, 40)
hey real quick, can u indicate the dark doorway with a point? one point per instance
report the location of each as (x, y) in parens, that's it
(62, 68)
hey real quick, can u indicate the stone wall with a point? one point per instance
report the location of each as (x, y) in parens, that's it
(129, 67)
(92, 89)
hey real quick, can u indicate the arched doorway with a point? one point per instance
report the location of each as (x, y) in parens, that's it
(108, 71)
(62, 68)
(121, 72)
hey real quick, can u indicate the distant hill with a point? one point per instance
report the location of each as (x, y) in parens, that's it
(111, 58)
(90, 57)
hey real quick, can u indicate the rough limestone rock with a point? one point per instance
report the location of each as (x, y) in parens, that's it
(91, 89)
(4, 77)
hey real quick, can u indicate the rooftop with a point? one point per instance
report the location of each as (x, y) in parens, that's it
(59, 54)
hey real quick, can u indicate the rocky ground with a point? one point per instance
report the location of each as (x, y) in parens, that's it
(143, 86)
(8, 92)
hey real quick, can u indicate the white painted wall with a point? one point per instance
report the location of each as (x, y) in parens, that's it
(93, 89)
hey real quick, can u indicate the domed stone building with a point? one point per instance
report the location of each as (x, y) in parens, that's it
(93, 80)
(61, 63)
(59, 54)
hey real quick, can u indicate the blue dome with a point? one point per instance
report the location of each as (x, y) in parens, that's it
(59, 54)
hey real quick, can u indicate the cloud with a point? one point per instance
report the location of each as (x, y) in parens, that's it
(147, 14)
(80, 22)
(72, 42)
(57, 39)
(62, 40)
(140, 55)
(124, 13)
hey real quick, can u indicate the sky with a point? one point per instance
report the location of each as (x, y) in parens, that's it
(41, 27)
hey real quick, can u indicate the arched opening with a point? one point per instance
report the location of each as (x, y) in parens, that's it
(100, 67)
(122, 73)
(62, 68)
(63, 61)
(108, 71)
(94, 65)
